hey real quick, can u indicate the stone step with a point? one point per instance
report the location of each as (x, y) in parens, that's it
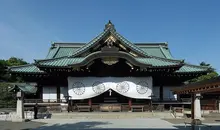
(110, 115)
(213, 115)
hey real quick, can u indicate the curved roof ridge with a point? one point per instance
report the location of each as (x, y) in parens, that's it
(68, 44)
(151, 43)
(161, 49)
(94, 40)
(142, 60)
(191, 65)
(57, 49)
(136, 48)
(172, 60)
(41, 60)
(170, 52)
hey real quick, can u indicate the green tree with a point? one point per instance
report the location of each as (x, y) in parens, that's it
(3, 65)
(7, 98)
(209, 75)
(13, 61)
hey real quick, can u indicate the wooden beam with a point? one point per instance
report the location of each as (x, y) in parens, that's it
(192, 106)
(200, 90)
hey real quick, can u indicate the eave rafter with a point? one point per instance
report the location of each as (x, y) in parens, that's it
(203, 87)
(29, 74)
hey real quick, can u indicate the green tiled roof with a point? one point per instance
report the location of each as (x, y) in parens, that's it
(102, 35)
(91, 43)
(68, 60)
(61, 52)
(129, 44)
(157, 62)
(167, 53)
(187, 68)
(62, 62)
(52, 52)
(155, 50)
(65, 51)
(26, 88)
(30, 68)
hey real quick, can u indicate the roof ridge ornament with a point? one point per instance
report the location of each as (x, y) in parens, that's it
(110, 26)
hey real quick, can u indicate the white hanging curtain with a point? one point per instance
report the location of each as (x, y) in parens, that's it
(88, 87)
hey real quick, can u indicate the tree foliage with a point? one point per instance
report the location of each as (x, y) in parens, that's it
(13, 61)
(210, 75)
(7, 99)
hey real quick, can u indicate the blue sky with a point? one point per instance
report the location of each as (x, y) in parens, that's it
(191, 28)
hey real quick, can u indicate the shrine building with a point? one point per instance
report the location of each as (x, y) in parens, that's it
(108, 71)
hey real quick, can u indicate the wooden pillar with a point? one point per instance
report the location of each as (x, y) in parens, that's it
(218, 106)
(192, 106)
(40, 92)
(58, 93)
(178, 97)
(161, 92)
(90, 102)
(129, 103)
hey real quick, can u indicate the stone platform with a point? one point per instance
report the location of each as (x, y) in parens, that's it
(111, 115)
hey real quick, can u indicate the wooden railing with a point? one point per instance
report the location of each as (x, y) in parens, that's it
(173, 99)
(44, 101)
(64, 101)
(53, 105)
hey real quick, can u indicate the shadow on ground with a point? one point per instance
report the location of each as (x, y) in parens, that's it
(94, 125)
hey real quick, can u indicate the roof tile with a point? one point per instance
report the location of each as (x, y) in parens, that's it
(30, 68)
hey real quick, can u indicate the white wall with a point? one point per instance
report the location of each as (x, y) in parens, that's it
(168, 94)
(50, 92)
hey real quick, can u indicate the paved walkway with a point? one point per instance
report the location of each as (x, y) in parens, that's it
(8, 125)
(114, 124)
(100, 124)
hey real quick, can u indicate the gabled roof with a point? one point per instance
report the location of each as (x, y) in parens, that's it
(151, 54)
(95, 41)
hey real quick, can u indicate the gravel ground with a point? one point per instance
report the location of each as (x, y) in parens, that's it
(8, 125)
